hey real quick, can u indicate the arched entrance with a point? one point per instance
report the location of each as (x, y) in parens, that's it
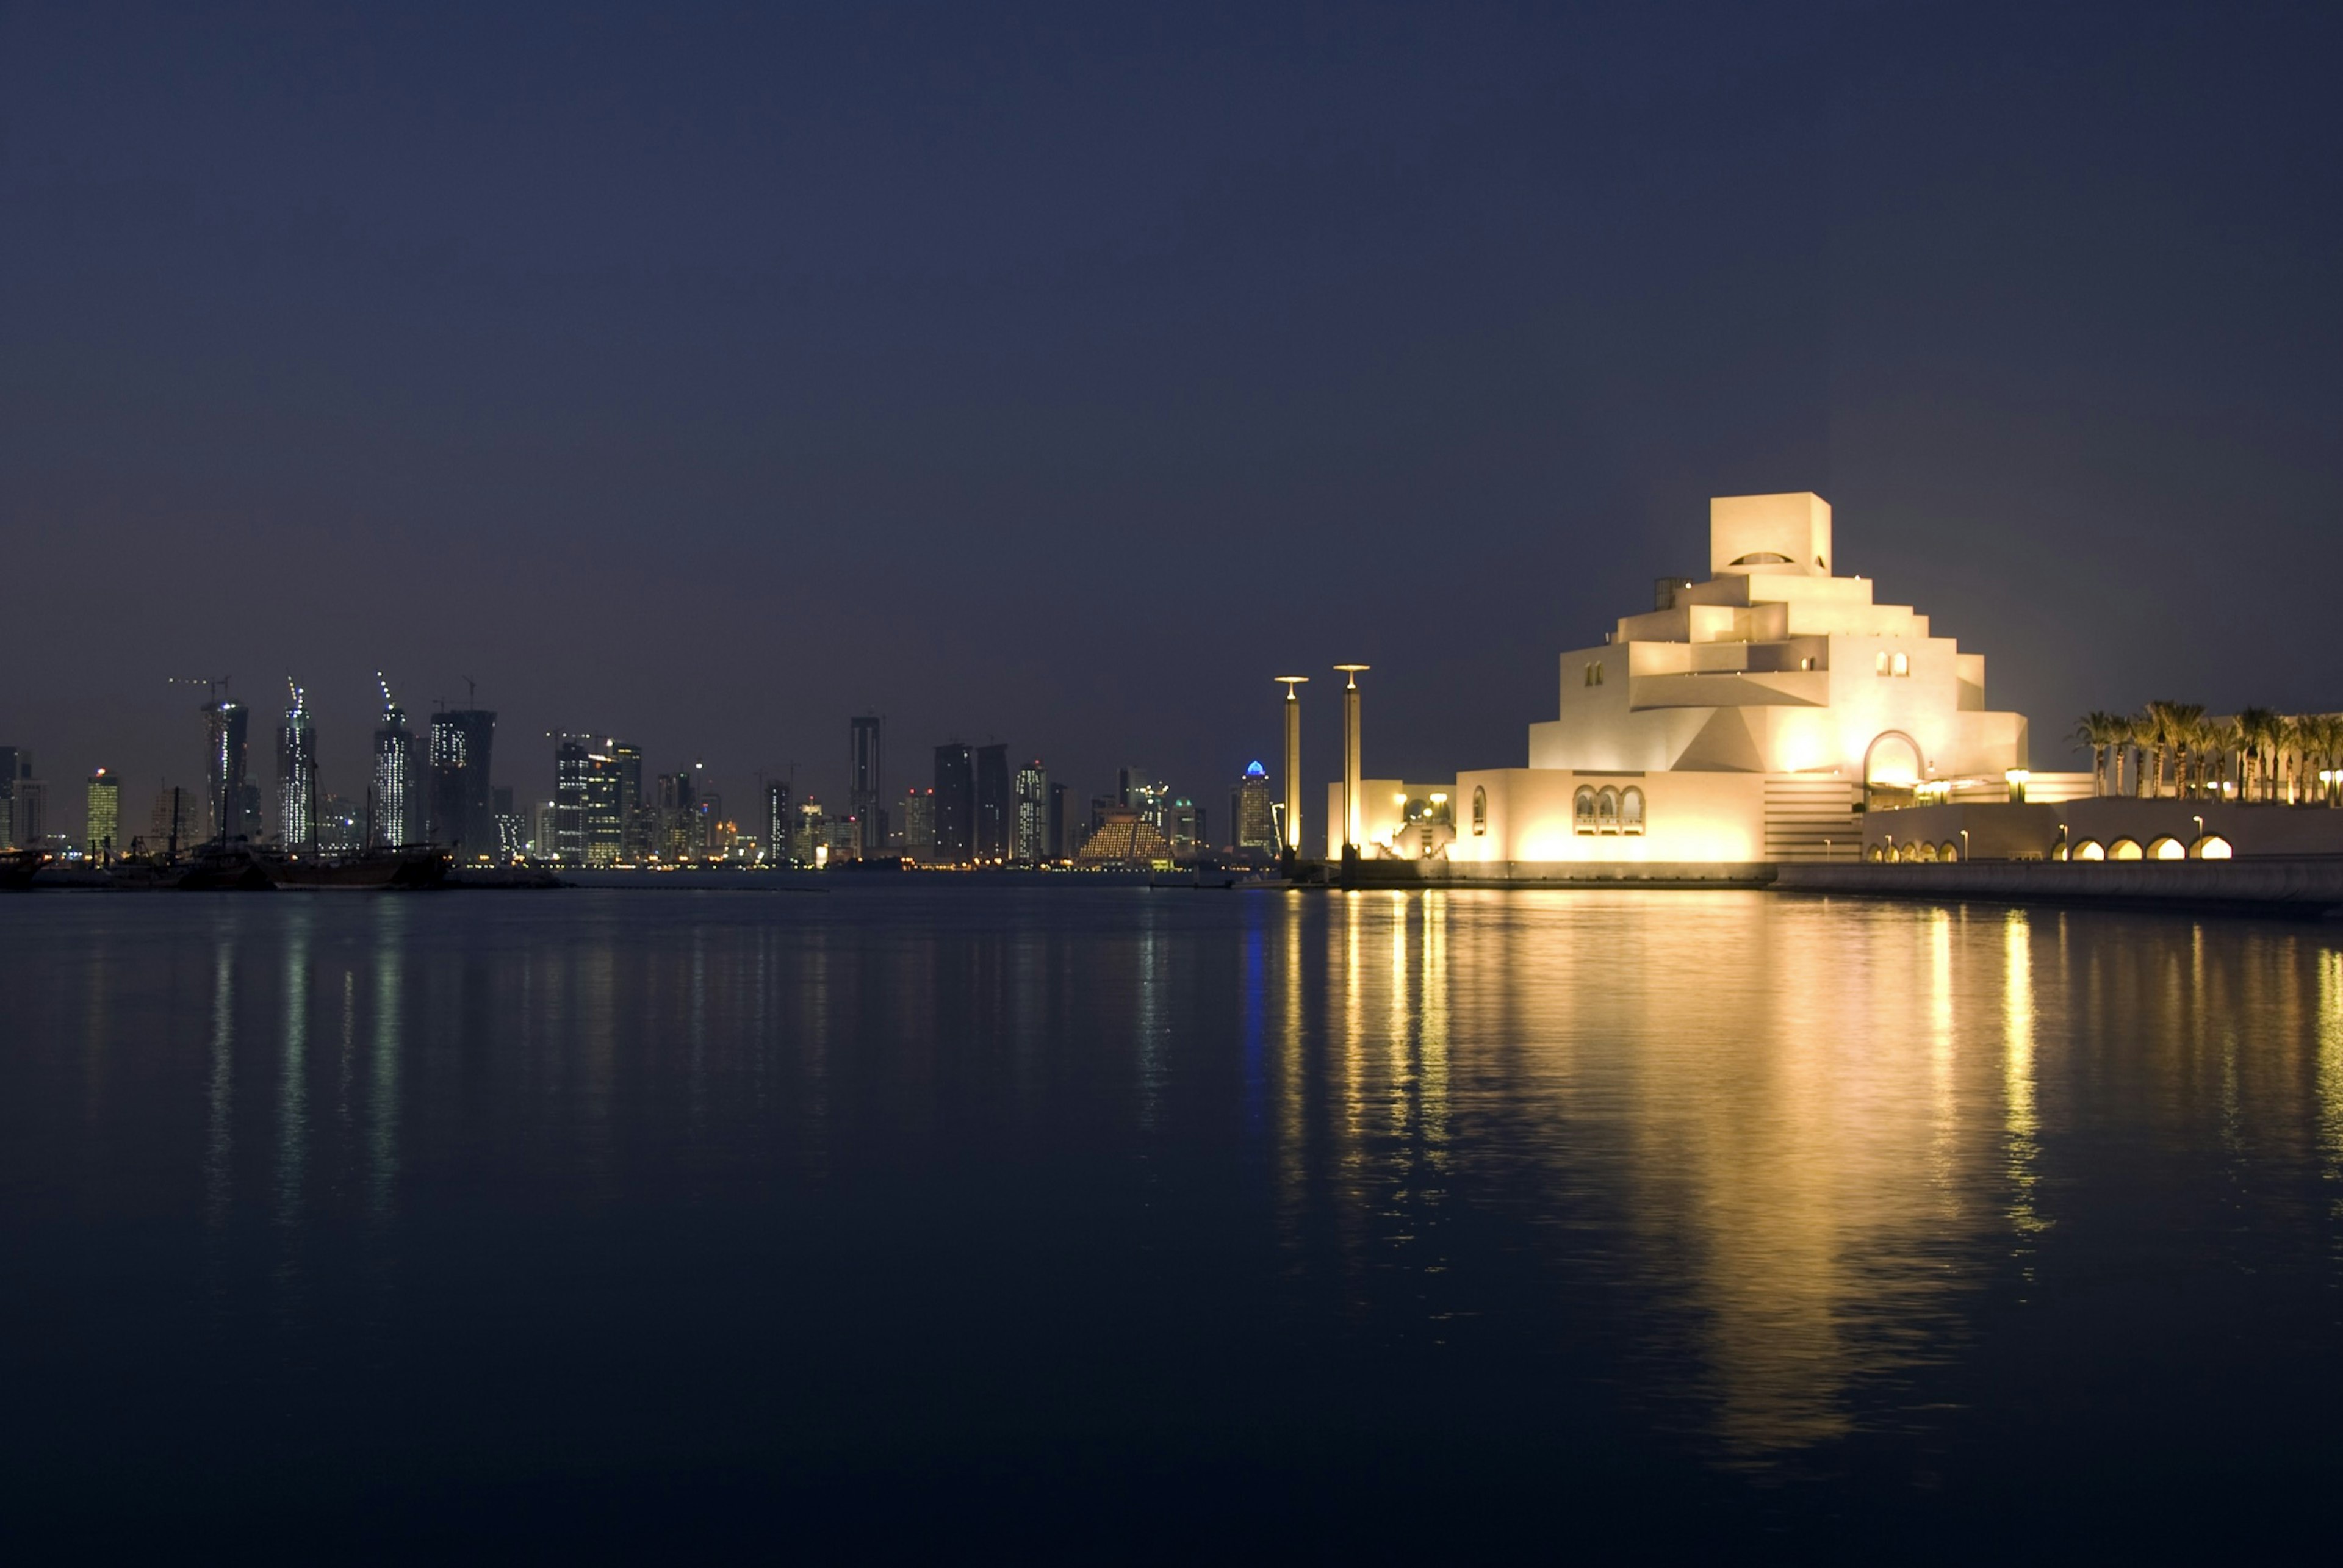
(1892, 768)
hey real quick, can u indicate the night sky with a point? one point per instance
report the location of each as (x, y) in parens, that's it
(701, 375)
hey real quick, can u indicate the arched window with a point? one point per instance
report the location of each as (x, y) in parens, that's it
(1874, 854)
(2089, 850)
(2211, 847)
(2124, 849)
(1926, 853)
(1908, 854)
(1606, 810)
(1762, 558)
(1631, 810)
(1480, 810)
(1581, 807)
(2167, 849)
(1948, 850)
(1879, 662)
(2058, 850)
(1900, 664)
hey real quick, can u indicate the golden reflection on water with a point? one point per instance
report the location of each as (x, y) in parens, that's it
(1823, 1123)
(2330, 1074)
(2019, 1114)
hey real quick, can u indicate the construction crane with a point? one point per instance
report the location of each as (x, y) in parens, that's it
(213, 685)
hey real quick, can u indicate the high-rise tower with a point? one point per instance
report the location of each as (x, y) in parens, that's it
(224, 722)
(1030, 830)
(596, 784)
(297, 775)
(17, 807)
(462, 799)
(776, 822)
(955, 808)
(866, 782)
(102, 836)
(1251, 825)
(991, 846)
(395, 811)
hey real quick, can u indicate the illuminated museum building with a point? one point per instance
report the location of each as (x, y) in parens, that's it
(1745, 718)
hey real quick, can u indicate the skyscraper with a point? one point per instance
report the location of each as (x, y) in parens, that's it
(1060, 827)
(177, 821)
(1144, 795)
(776, 822)
(341, 826)
(32, 807)
(1183, 824)
(395, 807)
(512, 829)
(1252, 825)
(593, 785)
(918, 829)
(865, 796)
(224, 722)
(955, 803)
(992, 805)
(463, 814)
(1029, 835)
(16, 771)
(296, 776)
(624, 762)
(103, 832)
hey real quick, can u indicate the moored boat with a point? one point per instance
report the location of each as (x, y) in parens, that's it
(413, 868)
(16, 868)
(220, 867)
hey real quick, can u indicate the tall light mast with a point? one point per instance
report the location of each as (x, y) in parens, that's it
(1350, 786)
(1292, 763)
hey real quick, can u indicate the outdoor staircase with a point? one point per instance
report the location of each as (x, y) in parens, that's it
(1812, 817)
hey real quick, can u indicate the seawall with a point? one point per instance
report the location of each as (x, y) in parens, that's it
(2304, 885)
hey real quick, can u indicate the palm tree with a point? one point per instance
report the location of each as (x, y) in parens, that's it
(2289, 738)
(2309, 733)
(2122, 731)
(2185, 720)
(2101, 732)
(2255, 726)
(2153, 728)
(2222, 734)
(2214, 738)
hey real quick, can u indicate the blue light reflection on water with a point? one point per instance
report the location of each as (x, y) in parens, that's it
(1698, 1215)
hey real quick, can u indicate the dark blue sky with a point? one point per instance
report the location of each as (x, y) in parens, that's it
(1059, 374)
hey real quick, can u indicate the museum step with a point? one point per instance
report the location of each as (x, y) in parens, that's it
(1809, 818)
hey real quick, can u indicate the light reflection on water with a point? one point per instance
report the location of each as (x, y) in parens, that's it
(1747, 1175)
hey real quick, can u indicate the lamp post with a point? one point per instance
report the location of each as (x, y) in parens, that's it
(1965, 845)
(1292, 764)
(1352, 804)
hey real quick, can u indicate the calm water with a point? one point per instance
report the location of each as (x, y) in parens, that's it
(1107, 1222)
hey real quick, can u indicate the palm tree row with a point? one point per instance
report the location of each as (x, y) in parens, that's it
(2256, 754)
